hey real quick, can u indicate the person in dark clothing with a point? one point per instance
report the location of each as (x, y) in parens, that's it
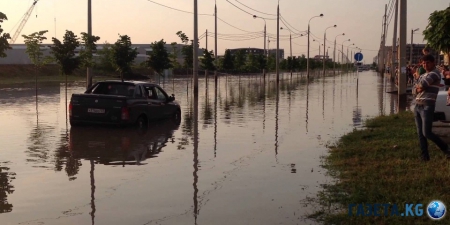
(426, 91)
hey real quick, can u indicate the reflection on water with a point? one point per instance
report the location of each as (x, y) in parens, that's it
(6, 188)
(243, 146)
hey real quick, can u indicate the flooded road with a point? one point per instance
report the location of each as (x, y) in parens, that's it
(243, 154)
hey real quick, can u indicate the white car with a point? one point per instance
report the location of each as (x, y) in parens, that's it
(442, 111)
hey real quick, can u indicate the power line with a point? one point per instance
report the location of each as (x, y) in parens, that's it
(255, 9)
(248, 12)
(201, 14)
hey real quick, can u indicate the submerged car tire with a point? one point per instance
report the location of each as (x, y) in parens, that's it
(74, 124)
(142, 122)
(176, 117)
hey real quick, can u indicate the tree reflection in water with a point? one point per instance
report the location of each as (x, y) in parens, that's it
(6, 188)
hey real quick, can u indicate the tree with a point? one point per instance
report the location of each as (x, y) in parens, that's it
(438, 30)
(187, 51)
(159, 57)
(239, 60)
(64, 53)
(4, 45)
(123, 55)
(34, 50)
(105, 57)
(208, 60)
(228, 60)
(174, 55)
(89, 46)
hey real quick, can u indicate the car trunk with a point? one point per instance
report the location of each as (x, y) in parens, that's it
(98, 108)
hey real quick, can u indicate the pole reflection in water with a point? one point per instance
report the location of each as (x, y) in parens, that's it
(215, 118)
(276, 121)
(307, 103)
(357, 110)
(195, 156)
(264, 105)
(323, 97)
(91, 173)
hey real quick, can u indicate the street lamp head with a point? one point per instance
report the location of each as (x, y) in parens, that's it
(321, 15)
(281, 28)
(335, 25)
(343, 34)
(254, 17)
(416, 29)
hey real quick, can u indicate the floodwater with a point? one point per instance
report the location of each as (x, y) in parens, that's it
(243, 154)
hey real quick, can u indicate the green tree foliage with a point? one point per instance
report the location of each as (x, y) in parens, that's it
(105, 58)
(437, 33)
(174, 55)
(123, 55)
(239, 60)
(89, 47)
(271, 62)
(34, 50)
(159, 57)
(64, 52)
(187, 51)
(208, 60)
(252, 63)
(228, 60)
(4, 45)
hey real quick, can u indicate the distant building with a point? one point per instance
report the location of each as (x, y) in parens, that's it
(257, 51)
(18, 55)
(321, 57)
(416, 54)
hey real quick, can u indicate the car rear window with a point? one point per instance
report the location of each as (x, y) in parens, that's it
(124, 89)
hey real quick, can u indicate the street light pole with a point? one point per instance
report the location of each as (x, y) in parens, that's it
(307, 57)
(265, 35)
(342, 51)
(278, 44)
(334, 53)
(411, 47)
(215, 45)
(195, 50)
(324, 46)
(89, 69)
(290, 47)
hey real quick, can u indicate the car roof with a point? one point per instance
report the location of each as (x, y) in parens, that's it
(129, 82)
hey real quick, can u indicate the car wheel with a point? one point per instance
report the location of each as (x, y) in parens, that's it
(74, 124)
(177, 116)
(142, 122)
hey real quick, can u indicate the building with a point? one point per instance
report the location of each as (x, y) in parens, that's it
(257, 51)
(416, 51)
(17, 54)
(321, 57)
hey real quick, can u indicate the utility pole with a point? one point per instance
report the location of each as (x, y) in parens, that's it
(383, 50)
(278, 44)
(195, 50)
(215, 45)
(290, 45)
(206, 47)
(89, 69)
(394, 41)
(206, 70)
(402, 64)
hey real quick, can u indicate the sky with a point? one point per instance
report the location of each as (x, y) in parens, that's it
(146, 22)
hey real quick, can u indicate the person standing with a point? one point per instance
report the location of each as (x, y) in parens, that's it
(426, 91)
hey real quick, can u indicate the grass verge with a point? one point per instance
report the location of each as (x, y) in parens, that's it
(380, 165)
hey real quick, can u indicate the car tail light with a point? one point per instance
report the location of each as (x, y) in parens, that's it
(70, 109)
(125, 113)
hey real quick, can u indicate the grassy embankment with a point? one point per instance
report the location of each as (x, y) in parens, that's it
(15, 74)
(380, 165)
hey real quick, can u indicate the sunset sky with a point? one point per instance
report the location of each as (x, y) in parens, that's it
(146, 22)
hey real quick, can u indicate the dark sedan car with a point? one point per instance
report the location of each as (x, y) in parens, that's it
(122, 103)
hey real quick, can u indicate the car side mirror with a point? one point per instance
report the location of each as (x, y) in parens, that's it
(171, 98)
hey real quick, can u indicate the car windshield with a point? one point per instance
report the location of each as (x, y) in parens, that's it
(124, 89)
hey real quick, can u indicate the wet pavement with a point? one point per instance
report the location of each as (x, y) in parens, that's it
(243, 154)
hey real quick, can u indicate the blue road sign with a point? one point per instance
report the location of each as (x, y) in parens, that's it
(358, 56)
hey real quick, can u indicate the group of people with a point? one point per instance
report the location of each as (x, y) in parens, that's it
(426, 81)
